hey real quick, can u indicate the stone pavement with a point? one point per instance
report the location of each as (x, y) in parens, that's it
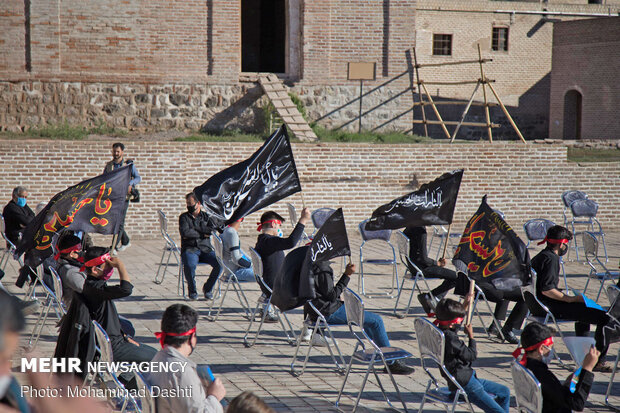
(265, 368)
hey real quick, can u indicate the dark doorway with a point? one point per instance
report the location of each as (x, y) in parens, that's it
(572, 115)
(263, 35)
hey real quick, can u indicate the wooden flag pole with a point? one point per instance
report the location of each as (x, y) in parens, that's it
(472, 286)
(303, 200)
(445, 246)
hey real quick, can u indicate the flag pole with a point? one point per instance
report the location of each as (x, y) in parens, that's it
(303, 200)
(472, 286)
(445, 245)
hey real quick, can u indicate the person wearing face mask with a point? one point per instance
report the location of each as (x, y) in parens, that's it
(196, 227)
(567, 307)
(99, 298)
(537, 343)
(459, 357)
(178, 339)
(17, 215)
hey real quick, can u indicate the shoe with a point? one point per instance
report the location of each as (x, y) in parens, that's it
(193, 296)
(306, 335)
(272, 318)
(493, 331)
(320, 341)
(29, 307)
(123, 247)
(602, 367)
(509, 336)
(208, 296)
(427, 303)
(399, 367)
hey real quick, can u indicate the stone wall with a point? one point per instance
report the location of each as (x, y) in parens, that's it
(523, 181)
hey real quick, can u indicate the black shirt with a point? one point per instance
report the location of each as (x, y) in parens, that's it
(15, 220)
(458, 358)
(327, 300)
(98, 296)
(417, 247)
(547, 267)
(271, 250)
(557, 398)
(196, 231)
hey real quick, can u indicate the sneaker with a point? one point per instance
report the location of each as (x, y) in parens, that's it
(272, 318)
(193, 296)
(306, 335)
(208, 296)
(509, 336)
(602, 367)
(320, 341)
(29, 307)
(427, 302)
(123, 247)
(399, 367)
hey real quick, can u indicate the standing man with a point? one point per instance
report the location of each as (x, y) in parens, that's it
(196, 227)
(119, 161)
(17, 214)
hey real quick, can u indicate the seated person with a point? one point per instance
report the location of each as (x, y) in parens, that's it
(459, 357)
(99, 298)
(178, 339)
(537, 343)
(248, 402)
(233, 256)
(68, 266)
(196, 227)
(547, 267)
(328, 303)
(17, 215)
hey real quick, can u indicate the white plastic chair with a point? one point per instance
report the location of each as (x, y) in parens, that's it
(590, 248)
(381, 237)
(528, 392)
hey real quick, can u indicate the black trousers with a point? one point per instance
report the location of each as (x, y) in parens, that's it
(123, 350)
(502, 299)
(449, 277)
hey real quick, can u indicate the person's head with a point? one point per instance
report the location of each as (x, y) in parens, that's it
(536, 342)
(248, 402)
(69, 246)
(558, 238)
(193, 206)
(39, 207)
(117, 151)
(178, 328)
(11, 323)
(271, 223)
(20, 195)
(95, 263)
(449, 313)
(236, 224)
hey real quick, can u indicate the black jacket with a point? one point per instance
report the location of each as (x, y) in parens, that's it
(557, 397)
(271, 250)
(15, 220)
(458, 358)
(196, 231)
(328, 294)
(547, 266)
(417, 247)
(77, 336)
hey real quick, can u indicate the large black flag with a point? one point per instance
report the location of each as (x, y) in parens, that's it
(94, 205)
(432, 204)
(267, 176)
(295, 283)
(491, 251)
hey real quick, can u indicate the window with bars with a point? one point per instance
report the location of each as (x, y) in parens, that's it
(500, 39)
(442, 45)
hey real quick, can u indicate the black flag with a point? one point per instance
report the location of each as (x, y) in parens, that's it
(491, 251)
(267, 176)
(94, 205)
(432, 204)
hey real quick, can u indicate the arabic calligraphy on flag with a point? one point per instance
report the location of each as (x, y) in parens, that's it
(266, 177)
(432, 204)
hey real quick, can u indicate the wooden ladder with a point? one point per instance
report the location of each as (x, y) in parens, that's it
(287, 110)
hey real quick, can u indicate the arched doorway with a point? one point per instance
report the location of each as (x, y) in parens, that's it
(572, 115)
(263, 36)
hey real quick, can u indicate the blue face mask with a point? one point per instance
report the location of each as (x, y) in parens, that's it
(21, 202)
(280, 233)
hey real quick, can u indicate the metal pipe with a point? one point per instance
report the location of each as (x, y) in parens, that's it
(541, 12)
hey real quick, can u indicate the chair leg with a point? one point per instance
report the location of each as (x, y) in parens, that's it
(359, 395)
(611, 382)
(387, 399)
(428, 387)
(214, 318)
(32, 346)
(346, 376)
(298, 373)
(339, 368)
(161, 264)
(241, 296)
(290, 333)
(400, 291)
(247, 342)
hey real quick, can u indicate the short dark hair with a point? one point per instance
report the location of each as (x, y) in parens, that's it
(559, 232)
(68, 240)
(178, 318)
(191, 195)
(248, 402)
(118, 145)
(534, 333)
(11, 317)
(94, 252)
(268, 216)
(448, 309)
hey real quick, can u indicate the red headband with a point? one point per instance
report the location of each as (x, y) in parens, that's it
(96, 261)
(457, 320)
(76, 247)
(162, 335)
(260, 224)
(546, 342)
(554, 241)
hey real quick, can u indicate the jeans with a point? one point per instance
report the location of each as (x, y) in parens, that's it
(373, 325)
(245, 274)
(478, 392)
(190, 259)
(125, 351)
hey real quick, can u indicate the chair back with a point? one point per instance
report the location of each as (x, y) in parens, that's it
(103, 341)
(292, 214)
(402, 243)
(584, 208)
(163, 223)
(536, 229)
(527, 389)
(257, 266)
(531, 302)
(319, 216)
(613, 293)
(354, 307)
(146, 394)
(568, 197)
(2, 229)
(383, 234)
(590, 245)
(431, 340)
(57, 288)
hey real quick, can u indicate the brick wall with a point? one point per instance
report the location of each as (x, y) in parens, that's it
(586, 58)
(523, 181)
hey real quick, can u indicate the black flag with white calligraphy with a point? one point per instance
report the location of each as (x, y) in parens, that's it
(266, 177)
(490, 251)
(95, 205)
(432, 204)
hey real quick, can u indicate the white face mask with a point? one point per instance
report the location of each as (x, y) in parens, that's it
(547, 358)
(5, 383)
(280, 233)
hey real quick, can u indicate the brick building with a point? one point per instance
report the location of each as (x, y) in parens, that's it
(192, 64)
(585, 79)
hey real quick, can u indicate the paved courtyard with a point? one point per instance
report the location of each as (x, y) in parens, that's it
(265, 367)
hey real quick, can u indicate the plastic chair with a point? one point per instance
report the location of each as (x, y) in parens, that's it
(584, 212)
(536, 230)
(319, 216)
(479, 295)
(431, 342)
(170, 250)
(257, 264)
(381, 237)
(613, 293)
(412, 272)
(371, 354)
(145, 392)
(568, 197)
(228, 277)
(292, 214)
(590, 249)
(528, 392)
